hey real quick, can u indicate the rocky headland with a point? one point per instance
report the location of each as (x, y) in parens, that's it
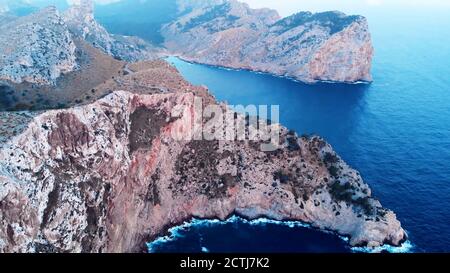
(102, 172)
(309, 47)
(109, 176)
(328, 46)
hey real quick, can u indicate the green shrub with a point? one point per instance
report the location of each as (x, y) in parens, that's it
(334, 172)
(330, 158)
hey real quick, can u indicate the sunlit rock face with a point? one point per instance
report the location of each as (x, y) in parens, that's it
(329, 46)
(37, 48)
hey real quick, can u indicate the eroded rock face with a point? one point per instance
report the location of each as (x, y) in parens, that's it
(37, 48)
(109, 176)
(80, 19)
(327, 46)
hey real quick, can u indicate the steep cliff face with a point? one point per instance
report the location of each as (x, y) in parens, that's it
(110, 176)
(80, 19)
(327, 46)
(37, 48)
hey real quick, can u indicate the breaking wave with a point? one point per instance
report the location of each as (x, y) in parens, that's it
(176, 232)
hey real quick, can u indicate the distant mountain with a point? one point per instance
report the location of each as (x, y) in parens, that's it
(17, 8)
(39, 47)
(328, 46)
(36, 48)
(80, 20)
(138, 18)
(26, 7)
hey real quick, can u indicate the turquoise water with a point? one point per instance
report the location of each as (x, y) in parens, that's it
(396, 131)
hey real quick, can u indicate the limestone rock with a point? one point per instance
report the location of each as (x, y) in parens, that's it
(37, 48)
(328, 46)
(109, 176)
(80, 19)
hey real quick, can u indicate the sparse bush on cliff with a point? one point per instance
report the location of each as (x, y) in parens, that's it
(342, 192)
(364, 203)
(345, 192)
(279, 175)
(330, 159)
(334, 172)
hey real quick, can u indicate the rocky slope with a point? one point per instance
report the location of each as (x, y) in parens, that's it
(40, 47)
(80, 19)
(37, 48)
(109, 176)
(327, 46)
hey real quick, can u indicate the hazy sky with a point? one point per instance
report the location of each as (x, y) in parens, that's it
(287, 7)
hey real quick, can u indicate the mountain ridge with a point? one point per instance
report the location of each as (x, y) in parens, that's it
(328, 46)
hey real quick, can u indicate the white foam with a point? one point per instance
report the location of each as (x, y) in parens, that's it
(175, 233)
(406, 247)
(205, 250)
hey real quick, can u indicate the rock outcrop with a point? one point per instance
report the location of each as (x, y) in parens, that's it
(80, 19)
(109, 176)
(41, 47)
(37, 48)
(328, 46)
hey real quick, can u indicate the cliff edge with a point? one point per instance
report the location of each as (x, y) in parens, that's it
(109, 176)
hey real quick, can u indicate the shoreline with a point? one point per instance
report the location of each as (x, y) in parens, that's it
(171, 233)
(316, 82)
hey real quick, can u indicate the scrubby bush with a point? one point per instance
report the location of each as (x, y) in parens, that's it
(334, 172)
(330, 158)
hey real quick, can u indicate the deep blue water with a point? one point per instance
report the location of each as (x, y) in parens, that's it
(237, 234)
(396, 132)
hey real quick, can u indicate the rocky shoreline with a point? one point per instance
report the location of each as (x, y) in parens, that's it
(191, 61)
(167, 235)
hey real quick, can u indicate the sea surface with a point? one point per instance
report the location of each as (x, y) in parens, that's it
(395, 131)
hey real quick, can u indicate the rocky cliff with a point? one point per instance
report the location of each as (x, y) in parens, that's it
(41, 47)
(109, 176)
(37, 48)
(80, 19)
(329, 46)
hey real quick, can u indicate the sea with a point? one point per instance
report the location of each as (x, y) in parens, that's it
(395, 131)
